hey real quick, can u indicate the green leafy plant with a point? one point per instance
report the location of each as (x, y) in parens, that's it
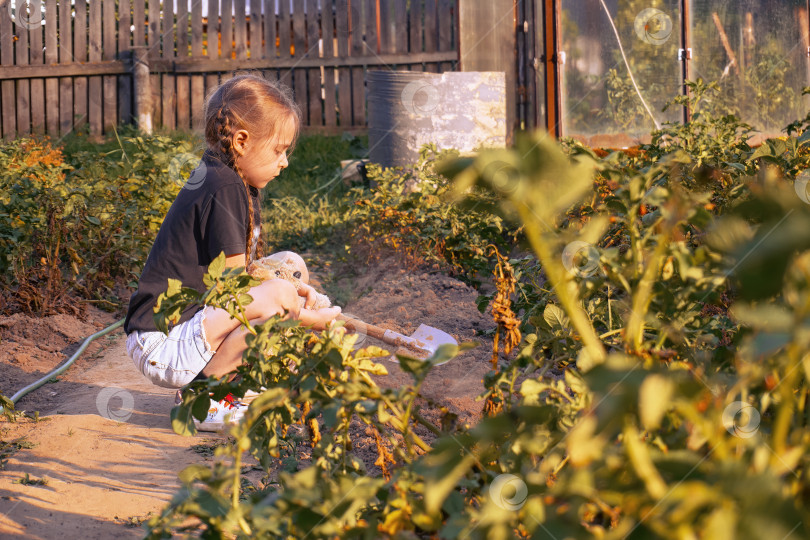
(621, 411)
(408, 213)
(79, 226)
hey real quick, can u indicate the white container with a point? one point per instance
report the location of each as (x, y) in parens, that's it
(460, 110)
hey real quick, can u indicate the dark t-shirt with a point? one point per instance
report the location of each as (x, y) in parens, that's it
(208, 216)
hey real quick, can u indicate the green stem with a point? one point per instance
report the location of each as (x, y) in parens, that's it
(406, 421)
(419, 418)
(237, 477)
(634, 335)
(561, 283)
(398, 416)
(243, 317)
(611, 333)
(784, 417)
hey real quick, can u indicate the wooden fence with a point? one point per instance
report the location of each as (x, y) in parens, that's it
(68, 64)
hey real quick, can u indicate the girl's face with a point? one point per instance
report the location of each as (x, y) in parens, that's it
(262, 160)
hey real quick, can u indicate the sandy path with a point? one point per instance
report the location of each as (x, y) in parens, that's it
(100, 472)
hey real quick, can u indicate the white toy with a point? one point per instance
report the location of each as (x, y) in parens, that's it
(291, 267)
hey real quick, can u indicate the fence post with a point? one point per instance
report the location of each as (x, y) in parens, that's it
(142, 88)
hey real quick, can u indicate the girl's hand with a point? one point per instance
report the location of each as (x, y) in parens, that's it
(319, 318)
(310, 293)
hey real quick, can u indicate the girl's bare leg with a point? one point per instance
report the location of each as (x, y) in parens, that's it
(226, 336)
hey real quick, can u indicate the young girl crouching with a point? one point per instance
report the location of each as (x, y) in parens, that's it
(250, 126)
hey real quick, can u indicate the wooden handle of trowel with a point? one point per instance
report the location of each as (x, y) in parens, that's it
(388, 336)
(359, 326)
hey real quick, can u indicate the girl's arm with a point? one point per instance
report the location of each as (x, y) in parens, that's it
(232, 261)
(318, 319)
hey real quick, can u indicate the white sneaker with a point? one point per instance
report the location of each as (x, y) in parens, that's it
(220, 414)
(250, 395)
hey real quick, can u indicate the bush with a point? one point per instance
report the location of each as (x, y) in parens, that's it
(80, 225)
(411, 212)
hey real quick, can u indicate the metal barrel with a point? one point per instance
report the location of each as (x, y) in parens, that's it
(406, 109)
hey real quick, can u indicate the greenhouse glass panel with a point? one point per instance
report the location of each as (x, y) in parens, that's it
(756, 51)
(614, 99)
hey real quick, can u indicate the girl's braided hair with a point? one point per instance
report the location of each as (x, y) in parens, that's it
(261, 108)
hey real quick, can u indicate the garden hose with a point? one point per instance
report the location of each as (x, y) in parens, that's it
(61, 369)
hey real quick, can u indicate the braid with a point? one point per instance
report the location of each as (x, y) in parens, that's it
(249, 231)
(225, 143)
(250, 102)
(222, 124)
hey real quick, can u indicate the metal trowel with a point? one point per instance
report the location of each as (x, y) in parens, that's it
(424, 342)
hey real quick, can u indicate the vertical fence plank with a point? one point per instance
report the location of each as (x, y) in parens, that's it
(95, 89)
(284, 31)
(124, 45)
(51, 57)
(314, 74)
(269, 29)
(139, 37)
(226, 37)
(372, 43)
(401, 26)
(255, 36)
(445, 20)
(23, 85)
(342, 33)
(212, 39)
(66, 84)
(78, 88)
(7, 87)
(197, 81)
(226, 29)
(415, 27)
(270, 34)
(300, 49)
(384, 24)
(139, 22)
(182, 28)
(110, 100)
(285, 40)
(431, 32)
(358, 73)
(169, 109)
(183, 101)
(414, 18)
(240, 27)
(327, 35)
(36, 58)
(153, 37)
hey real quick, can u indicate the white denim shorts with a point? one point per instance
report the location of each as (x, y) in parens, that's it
(171, 361)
